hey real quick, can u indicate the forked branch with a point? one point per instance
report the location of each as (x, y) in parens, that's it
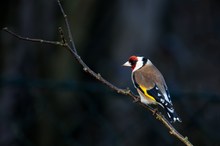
(65, 44)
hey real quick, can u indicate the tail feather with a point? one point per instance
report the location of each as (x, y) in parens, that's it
(172, 115)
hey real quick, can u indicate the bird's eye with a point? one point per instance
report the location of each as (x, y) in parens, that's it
(132, 62)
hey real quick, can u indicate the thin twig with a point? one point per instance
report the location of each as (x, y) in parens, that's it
(98, 76)
(68, 27)
(33, 40)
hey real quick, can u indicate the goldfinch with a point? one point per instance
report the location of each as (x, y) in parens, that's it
(151, 85)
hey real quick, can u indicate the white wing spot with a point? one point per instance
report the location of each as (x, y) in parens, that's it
(157, 88)
(158, 94)
(162, 100)
(168, 115)
(171, 110)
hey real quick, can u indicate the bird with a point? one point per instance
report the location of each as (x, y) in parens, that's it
(150, 85)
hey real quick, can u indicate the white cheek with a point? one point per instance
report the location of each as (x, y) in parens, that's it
(139, 64)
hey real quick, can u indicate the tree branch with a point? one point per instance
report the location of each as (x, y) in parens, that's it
(98, 76)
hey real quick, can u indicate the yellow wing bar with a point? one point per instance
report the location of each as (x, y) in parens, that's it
(144, 90)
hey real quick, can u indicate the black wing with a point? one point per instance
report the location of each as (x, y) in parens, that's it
(159, 97)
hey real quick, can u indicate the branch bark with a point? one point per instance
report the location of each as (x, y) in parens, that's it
(70, 46)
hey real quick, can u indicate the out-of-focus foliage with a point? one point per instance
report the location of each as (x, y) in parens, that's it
(47, 100)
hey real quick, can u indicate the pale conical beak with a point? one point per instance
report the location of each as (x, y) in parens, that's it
(126, 64)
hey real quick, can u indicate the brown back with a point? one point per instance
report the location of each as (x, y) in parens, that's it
(148, 76)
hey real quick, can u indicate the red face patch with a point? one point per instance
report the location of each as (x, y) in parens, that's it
(133, 60)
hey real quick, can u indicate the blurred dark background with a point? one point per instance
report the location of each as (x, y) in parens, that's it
(47, 100)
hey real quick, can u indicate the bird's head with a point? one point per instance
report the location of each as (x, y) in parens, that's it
(135, 62)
